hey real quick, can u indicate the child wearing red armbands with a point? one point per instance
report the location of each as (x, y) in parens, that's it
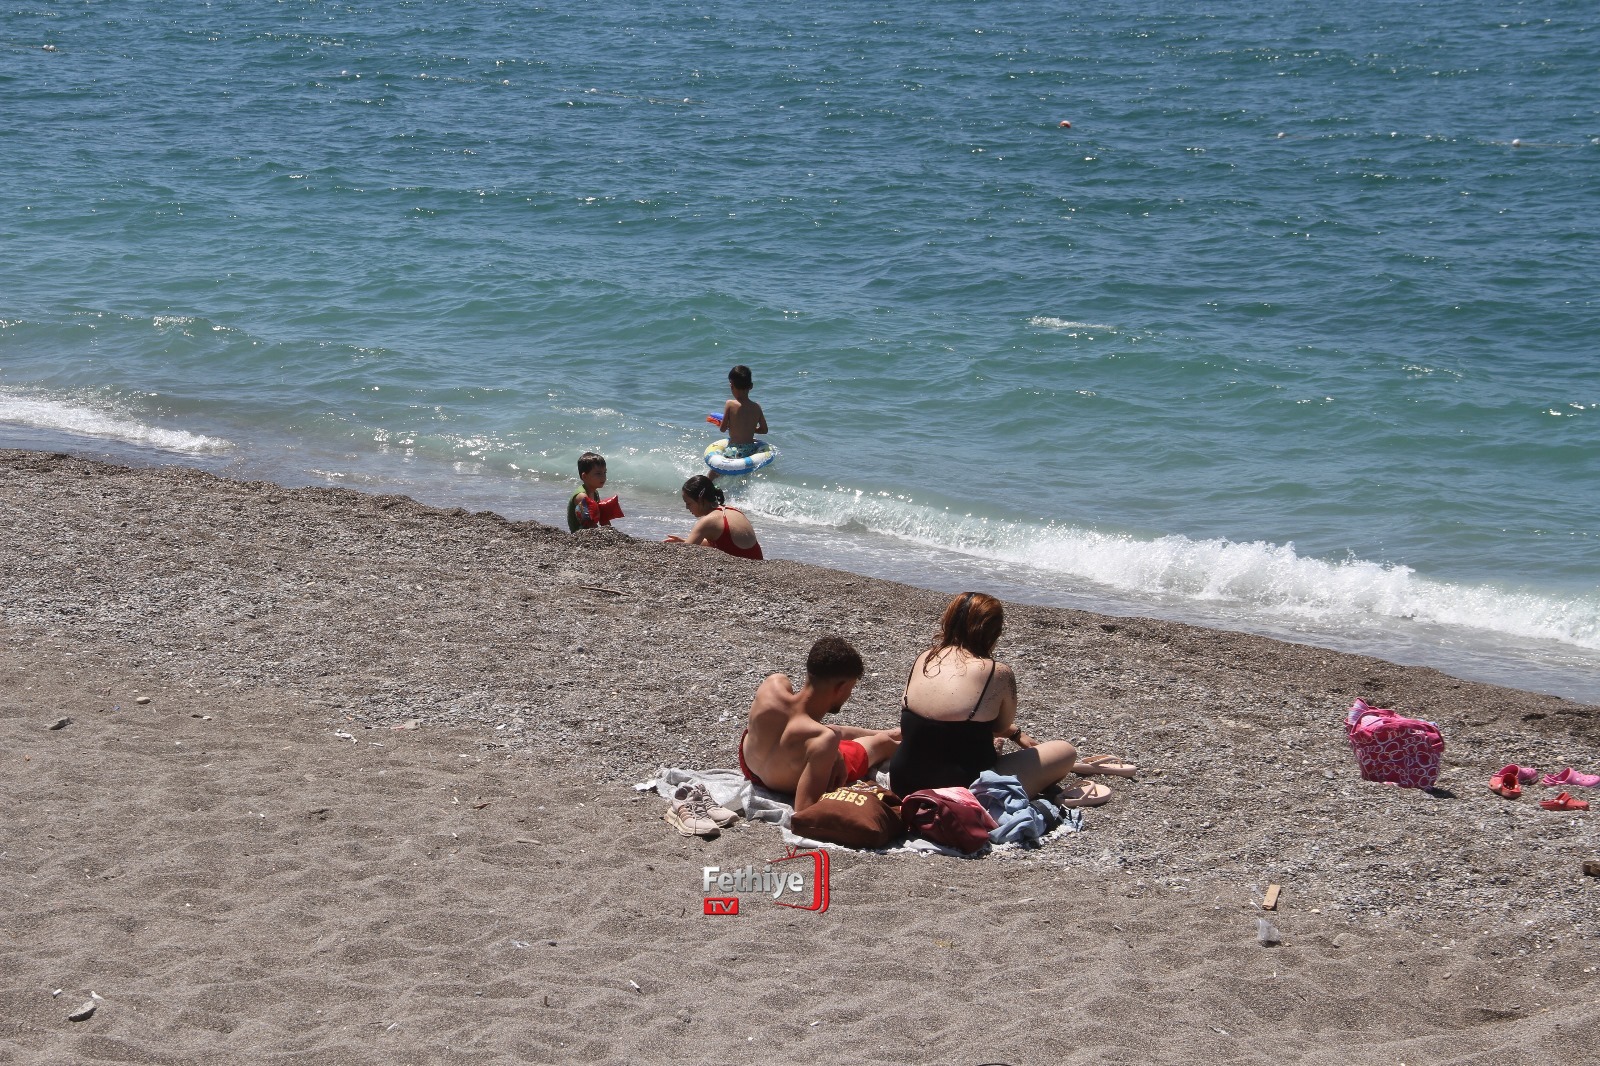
(586, 509)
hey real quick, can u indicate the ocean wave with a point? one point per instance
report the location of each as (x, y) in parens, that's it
(1047, 322)
(45, 413)
(1260, 579)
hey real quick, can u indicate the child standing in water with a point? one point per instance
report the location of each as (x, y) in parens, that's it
(742, 417)
(586, 509)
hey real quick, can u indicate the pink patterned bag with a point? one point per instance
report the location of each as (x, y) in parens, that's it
(1390, 747)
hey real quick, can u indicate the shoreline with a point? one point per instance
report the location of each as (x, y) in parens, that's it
(291, 615)
(1504, 659)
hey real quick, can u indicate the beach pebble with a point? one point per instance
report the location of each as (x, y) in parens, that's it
(83, 1012)
(142, 700)
(61, 723)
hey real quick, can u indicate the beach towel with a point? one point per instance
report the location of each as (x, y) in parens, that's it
(730, 789)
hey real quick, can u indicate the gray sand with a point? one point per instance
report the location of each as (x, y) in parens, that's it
(260, 621)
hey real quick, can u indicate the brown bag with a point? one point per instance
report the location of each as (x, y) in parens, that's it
(861, 815)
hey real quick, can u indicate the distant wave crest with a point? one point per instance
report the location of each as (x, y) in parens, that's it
(45, 413)
(1047, 322)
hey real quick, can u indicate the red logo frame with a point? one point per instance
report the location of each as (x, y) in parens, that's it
(819, 878)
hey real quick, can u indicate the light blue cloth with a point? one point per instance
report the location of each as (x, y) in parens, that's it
(1020, 821)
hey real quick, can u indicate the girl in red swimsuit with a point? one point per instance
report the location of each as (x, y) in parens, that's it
(717, 525)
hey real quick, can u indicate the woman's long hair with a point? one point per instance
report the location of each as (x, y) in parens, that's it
(971, 622)
(703, 490)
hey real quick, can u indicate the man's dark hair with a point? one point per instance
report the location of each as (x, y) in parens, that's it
(739, 377)
(589, 460)
(833, 659)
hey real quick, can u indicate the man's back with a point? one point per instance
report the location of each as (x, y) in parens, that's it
(775, 746)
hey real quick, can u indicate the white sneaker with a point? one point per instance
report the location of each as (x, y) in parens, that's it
(698, 797)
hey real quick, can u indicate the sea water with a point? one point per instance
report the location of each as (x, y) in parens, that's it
(1291, 330)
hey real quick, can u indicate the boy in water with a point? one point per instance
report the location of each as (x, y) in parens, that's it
(742, 417)
(586, 509)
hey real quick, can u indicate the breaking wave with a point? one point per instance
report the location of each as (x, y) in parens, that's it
(45, 413)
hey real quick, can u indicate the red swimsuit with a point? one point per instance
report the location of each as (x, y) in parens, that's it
(725, 542)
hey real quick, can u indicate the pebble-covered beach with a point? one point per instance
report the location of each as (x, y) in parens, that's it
(279, 636)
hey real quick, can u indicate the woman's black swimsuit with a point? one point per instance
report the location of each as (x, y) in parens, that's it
(935, 753)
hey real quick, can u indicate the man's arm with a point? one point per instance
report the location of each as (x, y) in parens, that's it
(850, 732)
(761, 421)
(822, 759)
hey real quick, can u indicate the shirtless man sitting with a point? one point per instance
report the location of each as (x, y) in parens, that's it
(787, 748)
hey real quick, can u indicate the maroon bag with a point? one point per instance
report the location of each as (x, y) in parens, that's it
(949, 816)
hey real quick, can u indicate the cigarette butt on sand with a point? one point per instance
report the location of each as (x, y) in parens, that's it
(1269, 902)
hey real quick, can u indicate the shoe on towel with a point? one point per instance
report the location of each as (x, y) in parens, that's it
(1569, 776)
(689, 822)
(1505, 783)
(700, 799)
(1564, 802)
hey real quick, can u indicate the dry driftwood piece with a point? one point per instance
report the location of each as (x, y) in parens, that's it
(1269, 902)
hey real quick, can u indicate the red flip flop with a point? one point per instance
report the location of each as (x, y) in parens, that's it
(1505, 783)
(1564, 802)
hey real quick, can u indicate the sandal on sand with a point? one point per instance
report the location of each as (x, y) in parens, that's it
(1527, 775)
(1082, 794)
(1564, 802)
(1105, 764)
(1505, 783)
(1569, 776)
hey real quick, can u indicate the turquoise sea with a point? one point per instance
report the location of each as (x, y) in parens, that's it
(1291, 331)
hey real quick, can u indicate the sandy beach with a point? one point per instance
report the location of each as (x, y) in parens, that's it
(233, 852)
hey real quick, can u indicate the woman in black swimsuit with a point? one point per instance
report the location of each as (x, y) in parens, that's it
(958, 701)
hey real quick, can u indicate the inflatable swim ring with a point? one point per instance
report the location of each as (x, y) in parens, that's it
(763, 454)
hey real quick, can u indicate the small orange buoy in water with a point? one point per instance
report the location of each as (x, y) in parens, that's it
(1065, 125)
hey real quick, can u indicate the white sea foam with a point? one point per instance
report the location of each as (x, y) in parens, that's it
(1047, 322)
(1260, 579)
(45, 413)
